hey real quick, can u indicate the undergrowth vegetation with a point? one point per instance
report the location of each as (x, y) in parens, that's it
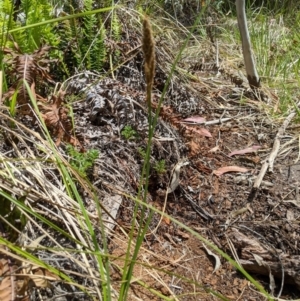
(81, 161)
(275, 42)
(47, 185)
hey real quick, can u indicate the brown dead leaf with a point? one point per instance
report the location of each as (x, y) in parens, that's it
(23, 285)
(167, 113)
(247, 150)
(226, 169)
(203, 132)
(41, 277)
(166, 220)
(57, 120)
(214, 149)
(194, 119)
(194, 147)
(6, 287)
(182, 234)
(192, 131)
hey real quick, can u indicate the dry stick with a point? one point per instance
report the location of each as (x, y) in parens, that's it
(1, 79)
(252, 75)
(270, 161)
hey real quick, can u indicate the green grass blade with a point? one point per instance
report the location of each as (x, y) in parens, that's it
(92, 12)
(21, 205)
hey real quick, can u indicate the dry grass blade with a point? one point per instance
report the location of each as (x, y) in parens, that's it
(35, 178)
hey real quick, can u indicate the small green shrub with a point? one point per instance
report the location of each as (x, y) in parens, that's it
(142, 153)
(160, 167)
(128, 132)
(82, 161)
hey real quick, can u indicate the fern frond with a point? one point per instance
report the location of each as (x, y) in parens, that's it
(35, 11)
(69, 53)
(116, 27)
(6, 20)
(116, 35)
(87, 34)
(91, 45)
(98, 49)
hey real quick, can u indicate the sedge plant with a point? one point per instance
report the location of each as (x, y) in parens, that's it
(131, 257)
(140, 200)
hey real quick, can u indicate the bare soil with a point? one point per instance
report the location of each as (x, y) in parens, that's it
(217, 206)
(206, 203)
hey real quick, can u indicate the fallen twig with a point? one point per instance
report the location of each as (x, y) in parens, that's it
(270, 161)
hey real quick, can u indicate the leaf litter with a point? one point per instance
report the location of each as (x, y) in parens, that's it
(244, 151)
(220, 171)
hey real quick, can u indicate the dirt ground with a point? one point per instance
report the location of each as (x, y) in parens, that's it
(216, 205)
(218, 196)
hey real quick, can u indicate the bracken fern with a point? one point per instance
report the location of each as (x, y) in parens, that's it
(91, 45)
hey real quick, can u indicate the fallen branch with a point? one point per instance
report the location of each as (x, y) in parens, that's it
(259, 258)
